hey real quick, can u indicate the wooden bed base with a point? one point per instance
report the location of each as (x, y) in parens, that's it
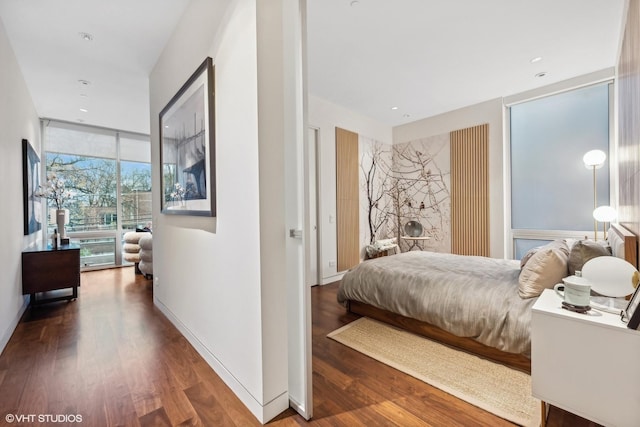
(433, 332)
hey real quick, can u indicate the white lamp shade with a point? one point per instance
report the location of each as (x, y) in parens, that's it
(604, 214)
(594, 158)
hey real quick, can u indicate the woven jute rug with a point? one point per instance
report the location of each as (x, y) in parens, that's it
(495, 388)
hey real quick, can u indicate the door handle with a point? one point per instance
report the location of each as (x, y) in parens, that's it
(295, 233)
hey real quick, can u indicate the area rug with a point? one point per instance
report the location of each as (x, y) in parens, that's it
(495, 388)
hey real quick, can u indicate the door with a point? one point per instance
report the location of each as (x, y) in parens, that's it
(311, 207)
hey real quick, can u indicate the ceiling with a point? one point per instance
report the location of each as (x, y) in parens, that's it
(128, 37)
(424, 57)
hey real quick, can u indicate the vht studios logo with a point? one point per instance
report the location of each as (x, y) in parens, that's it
(43, 418)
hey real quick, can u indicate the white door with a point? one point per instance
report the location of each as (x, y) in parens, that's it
(298, 293)
(311, 208)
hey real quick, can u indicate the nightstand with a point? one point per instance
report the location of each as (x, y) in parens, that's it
(587, 364)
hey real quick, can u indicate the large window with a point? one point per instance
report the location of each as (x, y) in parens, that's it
(109, 174)
(551, 189)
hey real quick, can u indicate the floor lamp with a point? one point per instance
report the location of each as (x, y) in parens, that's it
(594, 159)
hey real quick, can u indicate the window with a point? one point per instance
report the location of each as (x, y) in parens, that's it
(551, 189)
(109, 173)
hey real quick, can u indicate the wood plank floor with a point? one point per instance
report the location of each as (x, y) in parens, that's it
(114, 359)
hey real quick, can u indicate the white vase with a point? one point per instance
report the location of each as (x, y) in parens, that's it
(61, 216)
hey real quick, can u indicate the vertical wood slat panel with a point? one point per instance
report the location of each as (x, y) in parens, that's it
(470, 191)
(347, 199)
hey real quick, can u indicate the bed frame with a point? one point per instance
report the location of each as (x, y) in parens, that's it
(425, 329)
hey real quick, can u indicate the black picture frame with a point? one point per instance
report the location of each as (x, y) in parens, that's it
(632, 312)
(187, 147)
(30, 184)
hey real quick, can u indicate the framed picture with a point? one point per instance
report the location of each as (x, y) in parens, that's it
(632, 312)
(30, 184)
(187, 147)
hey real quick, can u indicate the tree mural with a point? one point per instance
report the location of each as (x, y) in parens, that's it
(421, 190)
(407, 182)
(376, 170)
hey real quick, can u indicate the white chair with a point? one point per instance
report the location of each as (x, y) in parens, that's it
(131, 248)
(146, 255)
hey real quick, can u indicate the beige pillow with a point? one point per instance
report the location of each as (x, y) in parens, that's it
(530, 253)
(544, 269)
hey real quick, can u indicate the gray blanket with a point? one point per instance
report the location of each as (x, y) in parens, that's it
(468, 296)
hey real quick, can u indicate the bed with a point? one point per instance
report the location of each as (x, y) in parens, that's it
(471, 302)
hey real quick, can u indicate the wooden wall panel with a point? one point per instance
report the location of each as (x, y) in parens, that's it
(347, 199)
(629, 122)
(470, 191)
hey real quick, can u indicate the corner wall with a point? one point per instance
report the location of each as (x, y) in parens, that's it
(18, 120)
(209, 274)
(326, 116)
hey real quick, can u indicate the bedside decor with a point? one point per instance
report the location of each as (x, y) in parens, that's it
(187, 147)
(609, 276)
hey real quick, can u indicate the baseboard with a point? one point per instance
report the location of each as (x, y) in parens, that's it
(263, 413)
(334, 278)
(6, 335)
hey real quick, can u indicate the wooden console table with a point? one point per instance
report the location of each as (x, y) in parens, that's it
(47, 269)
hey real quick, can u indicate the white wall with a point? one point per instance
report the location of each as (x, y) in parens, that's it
(490, 112)
(326, 116)
(212, 279)
(18, 120)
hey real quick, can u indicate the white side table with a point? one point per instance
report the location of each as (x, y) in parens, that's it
(587, 364)
(415, 242)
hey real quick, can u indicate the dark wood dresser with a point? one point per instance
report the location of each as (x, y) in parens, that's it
(46, 269)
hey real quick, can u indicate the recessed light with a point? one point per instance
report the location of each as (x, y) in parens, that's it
(355, 3)
(541, 74)
(84, 82)
(84, 110)
(394, 108)
(85, 36)
(536, 59)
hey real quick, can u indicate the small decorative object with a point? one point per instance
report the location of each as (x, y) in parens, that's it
(54, 239)
(187, 147)
(55, 190)
(61, 220)
(632, 314)
(413, 229)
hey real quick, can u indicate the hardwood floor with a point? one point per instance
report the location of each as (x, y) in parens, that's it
(114, 359)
